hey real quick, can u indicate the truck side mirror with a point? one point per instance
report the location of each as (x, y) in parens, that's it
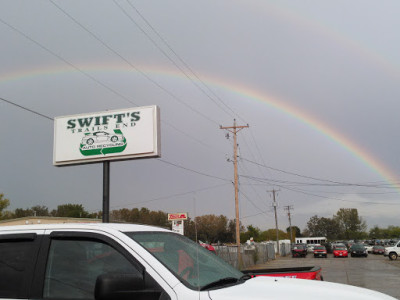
(122, 287)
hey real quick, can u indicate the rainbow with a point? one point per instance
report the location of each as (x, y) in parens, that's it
(243, 91)
(325, 31)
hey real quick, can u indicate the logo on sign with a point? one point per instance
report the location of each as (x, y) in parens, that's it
(102, 142)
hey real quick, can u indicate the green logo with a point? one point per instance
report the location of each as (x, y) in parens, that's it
(102, 143)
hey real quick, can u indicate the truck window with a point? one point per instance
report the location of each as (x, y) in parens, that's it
(188, 261)
(74, 265)
(17, 257)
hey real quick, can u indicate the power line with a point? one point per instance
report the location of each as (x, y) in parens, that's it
(169, 57)
(309, 177)
(295, 183)
(132, 65)
(27, 109)
(172, 196)
(191, 170)
(65, 61)
(326, 192)
(186, 65)
(164, 161)
(338, 199)
(91, 77)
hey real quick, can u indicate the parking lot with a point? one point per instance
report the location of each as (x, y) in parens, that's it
(375, 272)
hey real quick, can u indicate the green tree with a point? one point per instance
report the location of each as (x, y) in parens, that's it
(231, 234)
(4, 203)
(350, 224)
(295, 232)
(70, 211)
(384, 233)
(252, 232)
(21, 213)
(39, 211)
(211, 228)
(376, 232)
(323, 227)
(270, 235)
(142, 216)
(393, 231)
(190, 229)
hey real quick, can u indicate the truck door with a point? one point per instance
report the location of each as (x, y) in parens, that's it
(18, 254)
(73, 261)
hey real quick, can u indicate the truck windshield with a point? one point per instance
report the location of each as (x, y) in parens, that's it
(195, 266)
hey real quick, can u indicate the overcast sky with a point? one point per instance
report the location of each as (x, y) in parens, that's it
(316, 81)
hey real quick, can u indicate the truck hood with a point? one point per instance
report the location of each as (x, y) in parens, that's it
(272, 288)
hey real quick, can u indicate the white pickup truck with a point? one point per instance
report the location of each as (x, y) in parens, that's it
(393, 252)
(122, 261)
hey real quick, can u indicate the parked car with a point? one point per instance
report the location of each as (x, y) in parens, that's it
(378, 250)
(310, 248)
(340, 251)
(126, 261)
(208, 247)
(299, 250)
(368, 248)
(320, 251)
(335, 245)
(358, 250)
(329, 247)
(393, 252)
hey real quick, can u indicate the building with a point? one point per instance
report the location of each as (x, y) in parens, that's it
(311, 240)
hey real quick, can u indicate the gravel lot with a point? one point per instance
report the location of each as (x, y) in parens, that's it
(375, 272)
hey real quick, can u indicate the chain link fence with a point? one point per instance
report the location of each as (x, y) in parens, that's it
(285, 249)
(251, 255)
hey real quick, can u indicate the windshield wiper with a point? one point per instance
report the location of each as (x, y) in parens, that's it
(225, 281)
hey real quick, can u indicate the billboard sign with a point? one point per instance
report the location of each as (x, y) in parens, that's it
(108, 135)
(177, 216)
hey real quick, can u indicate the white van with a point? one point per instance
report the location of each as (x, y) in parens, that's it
(393, 252)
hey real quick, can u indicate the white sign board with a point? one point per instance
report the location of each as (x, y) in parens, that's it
(107, 135)
(177, 226)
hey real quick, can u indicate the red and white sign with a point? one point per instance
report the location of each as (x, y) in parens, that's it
(177, 216)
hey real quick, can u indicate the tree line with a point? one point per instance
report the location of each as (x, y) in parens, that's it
(344, 225)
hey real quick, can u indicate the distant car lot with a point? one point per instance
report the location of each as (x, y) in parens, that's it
(374, 272)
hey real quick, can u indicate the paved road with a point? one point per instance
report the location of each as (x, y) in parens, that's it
(375, 272)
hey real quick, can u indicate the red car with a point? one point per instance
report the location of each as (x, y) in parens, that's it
(340, 252)
(320, 251)
(208, 247)
(299, 250)
(378, 250)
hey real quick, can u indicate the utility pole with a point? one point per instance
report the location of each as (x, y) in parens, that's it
(288, 208)
(276, 220)
(234, 130)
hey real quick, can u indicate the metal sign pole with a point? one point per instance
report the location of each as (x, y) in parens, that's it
(106, 191)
